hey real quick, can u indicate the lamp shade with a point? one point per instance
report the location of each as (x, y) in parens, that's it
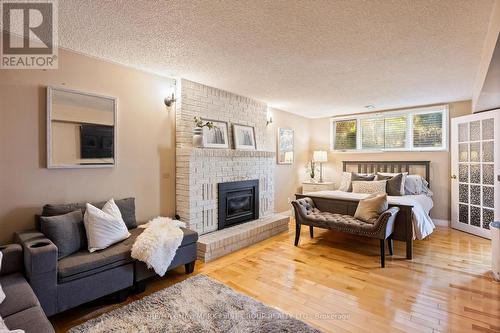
(320, 156)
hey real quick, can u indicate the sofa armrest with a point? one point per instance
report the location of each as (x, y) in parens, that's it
(40, 266)
(385, 222)
(12, 260)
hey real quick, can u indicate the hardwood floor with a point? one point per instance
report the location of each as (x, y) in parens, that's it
(335, 283)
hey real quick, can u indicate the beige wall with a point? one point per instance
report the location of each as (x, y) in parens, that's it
(146, 143)
(288, 178)
(146, 149)
(440, 161)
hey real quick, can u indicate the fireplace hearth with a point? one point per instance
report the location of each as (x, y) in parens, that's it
(238, 202)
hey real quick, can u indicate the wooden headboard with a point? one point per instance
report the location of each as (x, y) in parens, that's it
(389, 166)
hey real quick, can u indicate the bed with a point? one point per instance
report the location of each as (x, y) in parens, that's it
(413, 220)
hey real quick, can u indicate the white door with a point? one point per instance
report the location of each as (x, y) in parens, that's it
(475, 172)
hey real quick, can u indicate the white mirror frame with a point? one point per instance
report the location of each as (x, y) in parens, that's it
(50, 165)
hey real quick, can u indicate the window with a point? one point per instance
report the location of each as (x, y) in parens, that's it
(345, 134)
(408, 130)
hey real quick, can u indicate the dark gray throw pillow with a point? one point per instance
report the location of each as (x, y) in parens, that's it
(66, 231)
(393, 185)
(126, 206)
(360, 177)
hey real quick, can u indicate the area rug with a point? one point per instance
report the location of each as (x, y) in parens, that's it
(198, 304)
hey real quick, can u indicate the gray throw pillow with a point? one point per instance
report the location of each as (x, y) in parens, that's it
(66, 231)
(360, 177)
(393, 185)
(126, 206)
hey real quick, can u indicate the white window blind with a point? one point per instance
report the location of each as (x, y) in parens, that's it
(428, 130)
(372, 133)
(413, 129)
(344, 133)
(395, 132)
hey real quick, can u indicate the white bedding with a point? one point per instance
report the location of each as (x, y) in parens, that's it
(422, 204)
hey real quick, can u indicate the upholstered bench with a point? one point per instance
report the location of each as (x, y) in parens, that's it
(306, 213)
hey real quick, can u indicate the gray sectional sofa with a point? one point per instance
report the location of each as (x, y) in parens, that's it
(20, 309)
(64, 283)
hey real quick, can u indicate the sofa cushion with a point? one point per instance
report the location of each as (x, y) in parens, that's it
(19, 295)
(84, 263)
(126, 206)
(65, 231)
(31, 320)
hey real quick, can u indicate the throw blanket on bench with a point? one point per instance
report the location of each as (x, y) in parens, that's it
(157, 245)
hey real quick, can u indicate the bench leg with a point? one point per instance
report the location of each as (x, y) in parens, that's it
(390, 243)
(311, 231)
(297, 233)
(382, 253)
(189, 267)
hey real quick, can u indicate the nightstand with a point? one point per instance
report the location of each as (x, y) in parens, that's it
(315, 187)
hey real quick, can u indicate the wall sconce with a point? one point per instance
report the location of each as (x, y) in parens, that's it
(269, 117)
(169, 100)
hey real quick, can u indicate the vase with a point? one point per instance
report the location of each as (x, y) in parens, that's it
(198, 137)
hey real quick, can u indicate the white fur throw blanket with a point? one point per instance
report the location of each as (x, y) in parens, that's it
(156, 246)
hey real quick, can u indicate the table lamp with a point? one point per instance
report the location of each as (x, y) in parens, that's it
(320, 156)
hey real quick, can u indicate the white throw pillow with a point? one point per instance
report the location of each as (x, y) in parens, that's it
(2, 294)
(345, 183)
(392, 174)
(374, 186)
(104, 227)
(5, 329)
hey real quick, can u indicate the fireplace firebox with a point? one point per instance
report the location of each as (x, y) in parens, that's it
(238, 202)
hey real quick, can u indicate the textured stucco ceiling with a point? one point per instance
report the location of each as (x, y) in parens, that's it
(314, 58)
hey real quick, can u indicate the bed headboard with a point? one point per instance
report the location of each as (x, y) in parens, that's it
(390, 166)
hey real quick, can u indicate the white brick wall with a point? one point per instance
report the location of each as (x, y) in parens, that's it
(198, 171)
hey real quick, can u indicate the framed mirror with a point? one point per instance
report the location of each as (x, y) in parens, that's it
(285, 146)
(81, 129)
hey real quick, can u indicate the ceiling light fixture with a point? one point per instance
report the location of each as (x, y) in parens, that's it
(370, 106)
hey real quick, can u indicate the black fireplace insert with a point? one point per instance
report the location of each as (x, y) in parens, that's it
(238, 202)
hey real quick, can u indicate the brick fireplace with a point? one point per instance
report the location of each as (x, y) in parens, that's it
(199, 171)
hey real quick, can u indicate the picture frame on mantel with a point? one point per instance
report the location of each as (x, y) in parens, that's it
(216, 137)
(285, 146)
(244, 137)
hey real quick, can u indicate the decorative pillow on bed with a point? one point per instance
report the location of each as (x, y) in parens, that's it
(370, 208)
(345, 183)
(367, 177)
(392, 174)
(416, 185)
(395, 186)
(374, 186)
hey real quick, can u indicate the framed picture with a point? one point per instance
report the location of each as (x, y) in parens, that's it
(285, 146)
(244, 137)
(217, 136)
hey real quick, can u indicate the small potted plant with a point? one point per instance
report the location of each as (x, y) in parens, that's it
(198, 131)
(311, 169)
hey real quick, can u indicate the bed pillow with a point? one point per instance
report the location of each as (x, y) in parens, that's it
(345, 183)
(374, 186)
(65, 231)
(405, 175)
(367, 177)
(395, 186)
(104, 227)
(370, 208)
(416, 185)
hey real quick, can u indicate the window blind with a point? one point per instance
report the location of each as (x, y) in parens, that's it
(428, 130)
(372, 133)
(395, 132)
(344, 132)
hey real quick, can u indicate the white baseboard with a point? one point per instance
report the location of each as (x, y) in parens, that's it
(288, 212)
(441, 223)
